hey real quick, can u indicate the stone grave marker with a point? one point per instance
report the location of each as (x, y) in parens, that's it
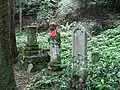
(80, 50)
(79, 44)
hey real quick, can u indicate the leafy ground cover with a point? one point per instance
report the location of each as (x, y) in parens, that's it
(103, 61)
(66, 49)
(104, 72)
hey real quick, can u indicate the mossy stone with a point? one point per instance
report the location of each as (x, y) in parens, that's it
(31, 53)
(55, 65)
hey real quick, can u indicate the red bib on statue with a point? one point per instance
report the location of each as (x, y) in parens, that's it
(53, 33)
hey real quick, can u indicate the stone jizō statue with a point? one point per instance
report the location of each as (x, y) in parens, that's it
(54, 46)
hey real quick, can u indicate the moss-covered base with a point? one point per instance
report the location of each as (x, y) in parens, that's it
(39, 66)
(31, 49)
(31, 53)
(38, 63)
(55, 65)
(32, 44)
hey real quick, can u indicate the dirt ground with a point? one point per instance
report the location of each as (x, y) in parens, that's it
(22, 77)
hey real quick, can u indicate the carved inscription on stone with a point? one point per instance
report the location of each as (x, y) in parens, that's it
(79, 43)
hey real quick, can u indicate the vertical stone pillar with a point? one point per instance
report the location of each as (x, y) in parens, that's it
(32, 45)
(80, 51)
(32, 38)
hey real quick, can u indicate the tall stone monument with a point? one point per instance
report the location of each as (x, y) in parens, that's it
(80, 50)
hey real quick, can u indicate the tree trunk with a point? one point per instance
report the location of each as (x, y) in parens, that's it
(13, 46)
(7, 81)
(20, 14)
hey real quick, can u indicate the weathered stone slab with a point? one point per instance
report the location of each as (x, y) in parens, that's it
(54, 49)
(80, 44)
(80, 54)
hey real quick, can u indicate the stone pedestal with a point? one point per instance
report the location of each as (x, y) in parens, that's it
(32, 51)
(55, 62)
(38, 62)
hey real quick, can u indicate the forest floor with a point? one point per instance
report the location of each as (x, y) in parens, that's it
(22, 77)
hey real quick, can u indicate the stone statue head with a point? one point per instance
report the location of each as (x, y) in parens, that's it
(52, 24)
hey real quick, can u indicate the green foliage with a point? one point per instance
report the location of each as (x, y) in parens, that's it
(113, 5)
(67, 26)
(67, 10)
(103, 68)
(61, 79)
(43, 40)
(45, 8)
(37, 8)
(97, 3)
(96, 29)
(104, 73)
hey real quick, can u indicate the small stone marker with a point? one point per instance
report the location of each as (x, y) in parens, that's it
(32, 38)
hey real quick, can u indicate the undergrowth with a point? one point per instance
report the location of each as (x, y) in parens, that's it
(103, 71)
